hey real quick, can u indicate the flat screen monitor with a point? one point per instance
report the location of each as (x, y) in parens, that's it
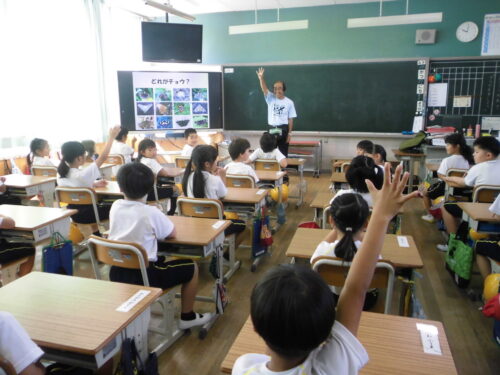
(171, 42)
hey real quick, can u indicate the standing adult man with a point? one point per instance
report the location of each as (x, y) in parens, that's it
(280, 112)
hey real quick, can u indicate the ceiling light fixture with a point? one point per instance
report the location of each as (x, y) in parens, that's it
(169, 9)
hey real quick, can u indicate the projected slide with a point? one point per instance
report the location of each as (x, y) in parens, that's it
(164, 100)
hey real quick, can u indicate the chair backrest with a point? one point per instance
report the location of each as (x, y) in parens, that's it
(239, 181)
(324, 218)
(4, 167)
(485, 193)
(334, 272)
(115, 159)
(181, 161)
(267, 165)
(455, 172)
(78, 196)
(46, 171)
(200, 207)
(116, 253)
(344, 167)
(7, 366)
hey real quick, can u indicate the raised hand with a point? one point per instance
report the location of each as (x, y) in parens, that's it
(260, 73)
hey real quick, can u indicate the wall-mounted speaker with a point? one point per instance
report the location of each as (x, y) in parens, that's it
(425, 36)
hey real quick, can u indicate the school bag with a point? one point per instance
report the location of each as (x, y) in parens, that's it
(57, 256)
(459, 257)
(413, 144)
(131, 363)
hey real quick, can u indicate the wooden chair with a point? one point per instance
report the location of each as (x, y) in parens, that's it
(485, 193)
(267, 165)
(45, 171)
(240, 181)
(455, 172)
(182, 161)
(133, 256)
(4, 167)
(334, 272)
(115, 159)
(7, 366)
(8, 271)
(339, 176)
(212, 209)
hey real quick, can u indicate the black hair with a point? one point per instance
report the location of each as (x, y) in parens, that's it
(89, 146)
(238, 147)
(188, 132)
(379, 149)
(457, 139)
(70, 151)
(292, 309)
(366, 146)
(123, 133)
(489, 144)
(143, 146)
(363, 168)
(267, 142)
(349, 212)
(36, 145)
(135, 180)
(282, 83)
(201, 155)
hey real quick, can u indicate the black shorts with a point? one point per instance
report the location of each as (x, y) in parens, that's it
(370, 299)
(453, 209)
(164, 192)
(489, 249)
(85, 214)
(12, 251)
(162, 273)
(237, 226)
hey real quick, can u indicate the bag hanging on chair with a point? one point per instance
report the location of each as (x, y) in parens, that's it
(131, 363)
(460, 257)
(57, 257)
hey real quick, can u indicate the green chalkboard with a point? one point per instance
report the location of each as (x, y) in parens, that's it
(358, 97)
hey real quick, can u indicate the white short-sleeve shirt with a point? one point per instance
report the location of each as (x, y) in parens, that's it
(275, 154)
(214, 186)
(187, 150)
(84, 177)
(123, 149)
(241, 169)
(279, 110)
(453, 162)
(494, 208)
(39, 161)
(485, 173)
(340, 354)
(152, 164)
(134, 221)
(15, 344)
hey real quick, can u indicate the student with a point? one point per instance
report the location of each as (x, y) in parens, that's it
(293, 309)
(191, 137)
(239, 150)
(461, 158)
(70, 175)
(268, 150)
(120, 146)
(165, 186)
(204, 179)
(488, 249)
(485, 172)
(132, 220)
(365, 147)
(348, 216)
(17, 347)
(362, 168)
(90, 154)
(39, 154)
(379, 156)
(10, 251)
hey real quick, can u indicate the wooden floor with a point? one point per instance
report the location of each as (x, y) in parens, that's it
(469, 333)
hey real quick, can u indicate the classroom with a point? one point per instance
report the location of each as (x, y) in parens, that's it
(199, 178)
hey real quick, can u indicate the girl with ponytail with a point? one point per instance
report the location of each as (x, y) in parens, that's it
(348, 216)
(39, 153)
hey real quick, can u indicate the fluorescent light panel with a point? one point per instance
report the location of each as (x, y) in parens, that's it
(267, 27)
(407, 19)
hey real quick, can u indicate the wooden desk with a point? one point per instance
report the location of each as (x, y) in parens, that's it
(106, 170)
(449, 189)
(479, 217)
(36, 224)
(237, 197)
(305, 241)
(28, 186)
(299, 164)
(409, 159)
(75, 320)
(308, 149)
(320, 202)
(393, 344)
(337, 163)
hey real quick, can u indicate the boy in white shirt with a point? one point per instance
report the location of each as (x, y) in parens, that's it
(293, 309)
(120, 146)
(132, 220)
(268, 150)
(488, 249)
(191, 137)
(239, 150)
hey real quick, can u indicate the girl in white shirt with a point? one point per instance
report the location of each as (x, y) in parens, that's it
(72, 175)
(39, 154)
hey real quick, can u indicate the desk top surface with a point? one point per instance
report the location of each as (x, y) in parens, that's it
(322, 199)
(478, 211)
(71, 313)
(397, 152)
(111, 188)
(269, 175)
(174, 171)
(195, 231)
(24, 181)
(393, 344)
(305, 143)
(295, 161)
(245, 195)
(305, 241)
(31, 218)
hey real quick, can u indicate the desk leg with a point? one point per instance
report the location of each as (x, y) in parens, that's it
(406, 297)
(301, 185)
(234, 264)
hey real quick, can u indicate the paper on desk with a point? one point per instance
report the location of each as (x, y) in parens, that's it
(218, 224)
(132, 301)
(430, 340)
(261, 191)
(403, 241)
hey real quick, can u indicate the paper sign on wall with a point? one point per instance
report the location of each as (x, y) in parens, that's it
(438, 95)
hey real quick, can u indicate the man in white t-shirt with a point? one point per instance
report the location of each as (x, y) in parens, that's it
(280, 112)
(239, 150)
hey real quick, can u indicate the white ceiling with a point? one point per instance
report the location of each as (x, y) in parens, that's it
(216, 6)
